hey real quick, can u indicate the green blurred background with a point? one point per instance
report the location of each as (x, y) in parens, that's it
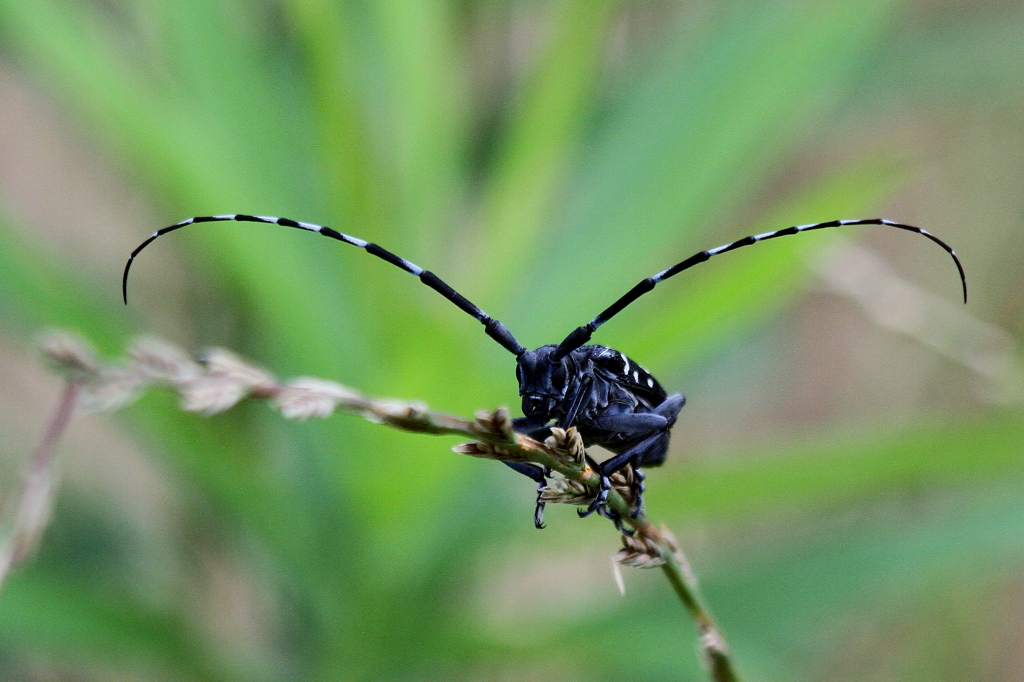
(846, 476)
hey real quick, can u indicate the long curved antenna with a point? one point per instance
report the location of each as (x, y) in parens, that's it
(581, 335)
(495, 329)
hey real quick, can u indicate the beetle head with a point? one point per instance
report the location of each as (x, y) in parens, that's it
(542, 381)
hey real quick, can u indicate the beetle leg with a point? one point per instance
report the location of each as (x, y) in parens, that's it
(616, 518)
(582, 394)
(655, 443)
(538, 474)
(638, 489)
(631, 422)
(636, 454)
(670, 406)
(600, 506)
(599, 503)
(531, 427)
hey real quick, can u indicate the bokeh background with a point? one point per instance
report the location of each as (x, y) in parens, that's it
(846, 477)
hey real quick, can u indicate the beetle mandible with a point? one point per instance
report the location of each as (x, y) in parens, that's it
(612, 401)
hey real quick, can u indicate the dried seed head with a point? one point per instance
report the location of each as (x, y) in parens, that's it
(496, 425)
(566, 491)
(566, 444)
(489, 451)
(210, 395)
(214, 386)
(69, 355)
(398, 410)
(475, 449)
(227, 365)
(639, 552)
(161, 361)
(556, 441)
(103, 388)
(307, 397)
(624, 483)
(684, 565)
(407, 416)
(111, 389)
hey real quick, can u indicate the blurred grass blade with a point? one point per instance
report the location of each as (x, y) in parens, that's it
(845, 471)
(540, 140)
(36, 293)
(425, 114)
(327, 32)
(689, 316)
(688, 142)
(76, 625)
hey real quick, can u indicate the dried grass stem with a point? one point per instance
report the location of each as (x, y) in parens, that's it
(220, 379)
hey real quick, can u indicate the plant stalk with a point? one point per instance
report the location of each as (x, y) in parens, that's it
(222, 379)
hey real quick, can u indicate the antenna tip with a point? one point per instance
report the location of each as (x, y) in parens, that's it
(124, 282)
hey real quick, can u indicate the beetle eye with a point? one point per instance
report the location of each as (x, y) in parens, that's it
(558, 377)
